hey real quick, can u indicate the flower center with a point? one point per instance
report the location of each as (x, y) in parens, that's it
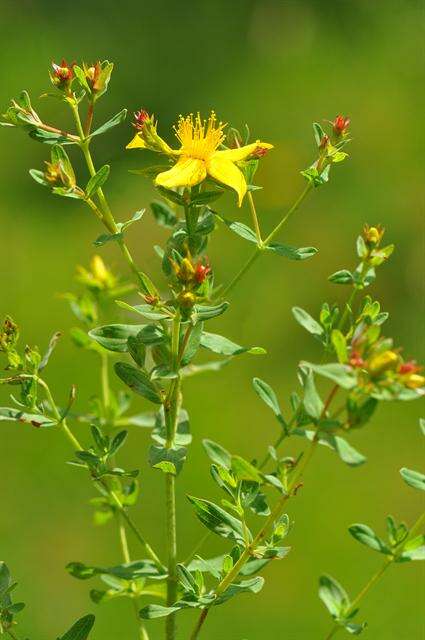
(199, 138)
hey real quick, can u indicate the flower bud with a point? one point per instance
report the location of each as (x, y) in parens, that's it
(382, 362)
(409, 367)
(201, 272)
(356, 360)
(415, 381)
(150, 299)
(140, 118)
(187, 299)
(147, 136)
(373, 235)
(340, 125)
(62, 75)
(9, 334)
(97, 77)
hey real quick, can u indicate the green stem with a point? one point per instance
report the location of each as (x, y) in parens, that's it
(264, 244)
(61, 421)
(151, 553)
(105, 382)
(171, 405)
(106, 214)
(127, 559)
(11, 634)
(254, 218)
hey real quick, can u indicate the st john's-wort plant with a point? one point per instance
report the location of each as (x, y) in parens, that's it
(150, 331)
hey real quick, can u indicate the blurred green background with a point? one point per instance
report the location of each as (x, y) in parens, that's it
(277, 65)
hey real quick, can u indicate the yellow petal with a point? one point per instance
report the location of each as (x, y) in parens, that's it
(186, 173)
(225, 171)
(241, 153)
(136, 143)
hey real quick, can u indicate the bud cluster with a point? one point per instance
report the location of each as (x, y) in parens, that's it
(191, 276)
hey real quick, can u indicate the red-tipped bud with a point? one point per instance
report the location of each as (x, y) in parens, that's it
(140, 119)
(409, 367)
(340, 125)
(62, 74)
(201, 272)
(356, 360)
(150, 299)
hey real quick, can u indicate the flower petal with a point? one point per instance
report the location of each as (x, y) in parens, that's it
(241, 153)
(186, 173)
(136, 143)
(225, 171)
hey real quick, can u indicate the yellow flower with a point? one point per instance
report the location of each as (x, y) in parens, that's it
(199, 156)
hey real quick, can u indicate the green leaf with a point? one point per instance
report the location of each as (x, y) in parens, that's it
(38, 176)
(413, 550)
(312, 402)
(107, 237)
(240, 229)
(244, 470)
(146, 310)
(80, 630)
(319, 133)
(171, 195)
(98, 180)
(253, 585)
(307, 321)
(414, 479)
(206, 197)
(138, 380)
(267, 395)
(163, 214)
(340, 345)
(17, 415)
(333, 596)
(127, 571)
(218, 520)
(152, 611)
(114, 336)
(292, 252)
(206, 312)
(168, 460)
(365, 535)
(217, 453)
(342, 374)
(224, 346)
(346, 452)
(192, 344)
(113, 122)
(342, 277)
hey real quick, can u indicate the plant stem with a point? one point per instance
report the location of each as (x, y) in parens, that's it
(151, 553)
(199, 624)
(254, 218)
(106, 213)
(61, 421)
(126, 556)
(264, 244)
(105, 382)
(11, 634)
(170, 415)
